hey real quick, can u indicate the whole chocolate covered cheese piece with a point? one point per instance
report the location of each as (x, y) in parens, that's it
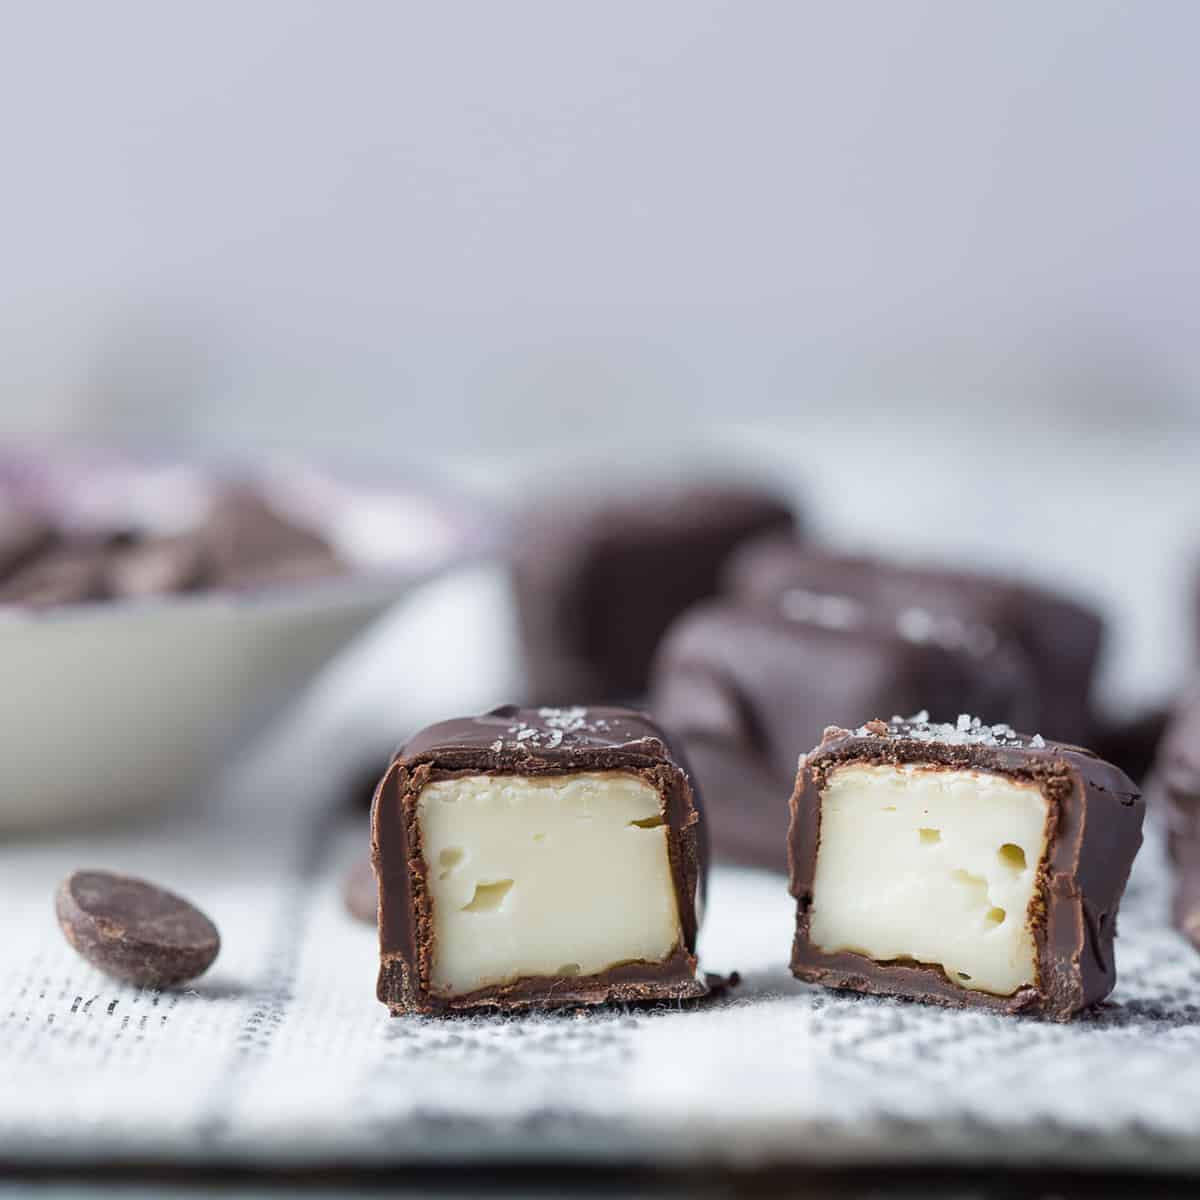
(1059, 637)
(1175, 790)
(537, 858)
(963, 865)
(744, 687)
(134, 930)
(598, 579)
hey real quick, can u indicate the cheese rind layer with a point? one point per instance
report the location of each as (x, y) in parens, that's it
(544, 876)
(933, 865)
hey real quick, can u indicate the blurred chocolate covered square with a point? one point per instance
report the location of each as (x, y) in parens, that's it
(598, 579)
(1059, 636)
(745, 688)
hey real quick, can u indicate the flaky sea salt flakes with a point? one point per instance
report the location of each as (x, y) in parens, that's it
(966, 731)
(498, 745)
(568, 720)
(561, 721)
(921, 718)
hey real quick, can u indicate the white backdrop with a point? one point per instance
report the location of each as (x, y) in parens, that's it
(364, 224)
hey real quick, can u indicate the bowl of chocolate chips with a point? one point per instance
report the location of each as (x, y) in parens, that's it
(154, 608)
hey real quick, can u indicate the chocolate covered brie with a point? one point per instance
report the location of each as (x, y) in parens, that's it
(745, 687)
(599, 577)
(1175, 789)
(536, 857)
(1058, 637)
(961, 864)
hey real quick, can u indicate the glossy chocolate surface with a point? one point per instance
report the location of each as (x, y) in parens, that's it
(1095, 830)
(532, 742)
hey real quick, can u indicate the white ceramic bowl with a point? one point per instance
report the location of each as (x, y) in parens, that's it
(111, 705)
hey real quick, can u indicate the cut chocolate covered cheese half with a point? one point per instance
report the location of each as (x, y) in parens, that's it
(546, 876)
(537, 858)
(933, 866)
(960, 864)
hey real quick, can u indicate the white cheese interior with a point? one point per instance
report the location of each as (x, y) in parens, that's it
(931, 865)
(556, 875)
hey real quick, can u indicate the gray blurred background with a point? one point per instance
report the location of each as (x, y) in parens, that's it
(936, 261)
(472, 225)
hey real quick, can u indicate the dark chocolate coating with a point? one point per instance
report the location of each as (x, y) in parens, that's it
(744, 689)
(597, 582)
(134, 930)
(1060, 637)
(1095, 830)
(531, 742)
(22, 536)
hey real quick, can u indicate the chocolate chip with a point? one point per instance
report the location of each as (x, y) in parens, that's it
(157, 566)
(359, 892)
(22, 535)
(135, 931)
(66, 574)
(251, 544)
